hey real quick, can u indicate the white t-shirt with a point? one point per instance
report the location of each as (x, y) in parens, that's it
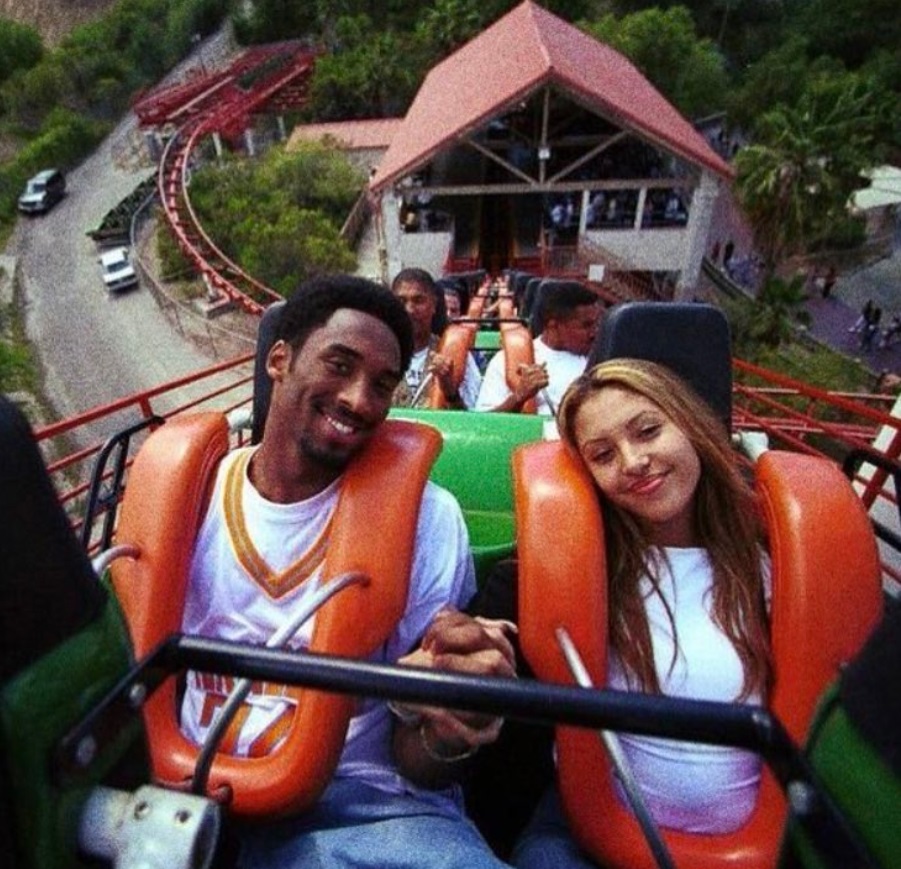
(690, 786)
(469, 386)
(223, 601)
(563, 368)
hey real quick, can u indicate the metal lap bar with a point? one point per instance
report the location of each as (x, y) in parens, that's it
(105, 498)
(618, 758)
(426, 381)
(743, 726)
(242, 687)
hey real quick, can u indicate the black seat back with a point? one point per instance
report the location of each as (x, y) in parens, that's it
(690, 338)
(262, 385)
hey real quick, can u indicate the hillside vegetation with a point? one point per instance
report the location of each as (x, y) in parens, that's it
(53, 19)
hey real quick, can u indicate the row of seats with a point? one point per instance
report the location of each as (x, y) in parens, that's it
(516, 491)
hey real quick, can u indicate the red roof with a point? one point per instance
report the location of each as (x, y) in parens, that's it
(521, 52)
(353, 135)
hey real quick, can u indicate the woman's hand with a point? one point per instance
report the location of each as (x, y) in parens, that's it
(430, 740)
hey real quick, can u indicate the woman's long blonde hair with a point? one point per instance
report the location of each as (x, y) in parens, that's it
(726, 521)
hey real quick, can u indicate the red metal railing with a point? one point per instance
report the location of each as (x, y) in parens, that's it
(71, 446)
(793, 415)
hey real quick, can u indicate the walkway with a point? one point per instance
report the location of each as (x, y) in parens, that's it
(832, 318)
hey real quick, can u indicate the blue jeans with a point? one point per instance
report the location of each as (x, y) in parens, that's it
(355, 825)
(546, 842)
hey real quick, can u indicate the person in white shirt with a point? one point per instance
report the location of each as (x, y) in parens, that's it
(341, 347)
(687, 597)
(567, 314)
(424, 302)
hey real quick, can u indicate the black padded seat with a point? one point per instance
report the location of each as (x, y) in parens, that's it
(691, 338)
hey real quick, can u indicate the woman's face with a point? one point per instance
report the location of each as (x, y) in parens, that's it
(641, 461)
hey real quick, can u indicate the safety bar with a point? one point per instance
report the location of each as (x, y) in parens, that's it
(744, 726)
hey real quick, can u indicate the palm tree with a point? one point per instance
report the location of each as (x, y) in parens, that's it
(795, 180)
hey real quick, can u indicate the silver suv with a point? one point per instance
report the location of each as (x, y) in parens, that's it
(42, 192)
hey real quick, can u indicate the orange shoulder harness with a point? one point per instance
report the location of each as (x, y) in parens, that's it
(826, 600)
(374, 531)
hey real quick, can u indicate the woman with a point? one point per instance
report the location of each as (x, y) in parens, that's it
(687, 577)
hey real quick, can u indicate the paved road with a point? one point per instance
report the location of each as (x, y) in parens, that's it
(94, 347)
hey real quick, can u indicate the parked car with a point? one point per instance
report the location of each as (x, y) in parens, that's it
(118, 273)
(42, 192)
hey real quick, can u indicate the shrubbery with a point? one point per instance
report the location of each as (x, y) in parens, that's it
(280, 216)
(60, 104)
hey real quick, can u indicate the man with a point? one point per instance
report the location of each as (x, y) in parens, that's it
(341, 347)
(424, 302)
(567, 313)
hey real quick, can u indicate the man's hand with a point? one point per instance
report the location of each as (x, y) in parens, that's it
(532, 379)
(463, 644)
(443, 368)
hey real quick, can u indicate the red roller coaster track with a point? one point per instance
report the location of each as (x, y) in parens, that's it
(267, 78)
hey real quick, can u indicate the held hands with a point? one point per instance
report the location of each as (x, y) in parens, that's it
(464, 644)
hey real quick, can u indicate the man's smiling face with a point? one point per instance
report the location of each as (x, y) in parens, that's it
(330, 395)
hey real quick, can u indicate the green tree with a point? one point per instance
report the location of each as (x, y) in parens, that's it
(448, 24)
(274, 20)
(297, 245)
(370, 73)
(778, 311)
(776, 78)
(280, 216)
(743, 30)
(20, 47)
(29, 95)
(313, 175)
(664, 45)
(852, 30)
(794, 180)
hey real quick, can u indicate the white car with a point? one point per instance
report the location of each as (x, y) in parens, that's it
(118, 273)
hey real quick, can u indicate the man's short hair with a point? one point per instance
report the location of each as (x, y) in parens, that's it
(423, 279)
(560, 299)
(313, 303)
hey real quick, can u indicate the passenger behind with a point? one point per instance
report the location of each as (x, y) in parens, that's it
(454, 298)
(424, 302)
(341, 347)
(567, 315)
(688, 591)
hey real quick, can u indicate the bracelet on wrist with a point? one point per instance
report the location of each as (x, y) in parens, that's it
(441, 757)
(404, 714)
